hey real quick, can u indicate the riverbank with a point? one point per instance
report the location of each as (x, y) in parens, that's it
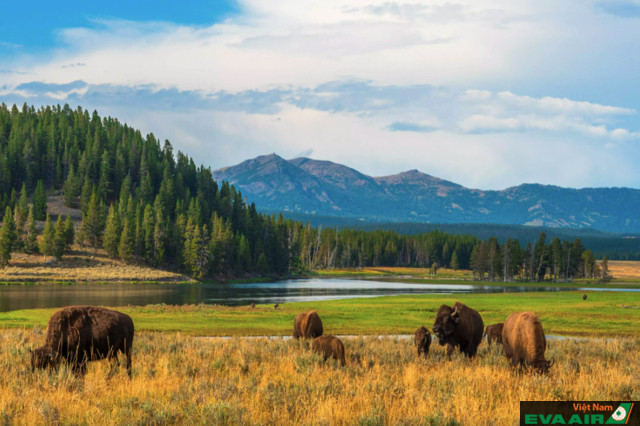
(80, 266)
(561, 313)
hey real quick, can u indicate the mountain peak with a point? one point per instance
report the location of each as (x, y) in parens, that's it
(323, 188)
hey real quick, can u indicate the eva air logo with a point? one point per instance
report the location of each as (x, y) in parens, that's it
(621, 415)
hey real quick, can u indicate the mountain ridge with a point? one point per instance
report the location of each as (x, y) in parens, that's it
(321, 187)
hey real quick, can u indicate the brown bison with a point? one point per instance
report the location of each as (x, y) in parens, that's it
(79, 334)
(524, 342)
(422, 340)
(460, 326)
(329, 347)
(307, 325)
(494, 332)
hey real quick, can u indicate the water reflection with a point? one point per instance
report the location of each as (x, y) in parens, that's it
(49, 296)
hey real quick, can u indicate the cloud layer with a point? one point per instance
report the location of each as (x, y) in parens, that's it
(488, 94)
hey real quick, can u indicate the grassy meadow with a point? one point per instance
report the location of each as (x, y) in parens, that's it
(179, 379)
(562, 313)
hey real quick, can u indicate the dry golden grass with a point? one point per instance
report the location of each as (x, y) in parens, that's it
(179, 379)
(624, 269)
(81, 265)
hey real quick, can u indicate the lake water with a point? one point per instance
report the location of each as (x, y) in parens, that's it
(14, 297)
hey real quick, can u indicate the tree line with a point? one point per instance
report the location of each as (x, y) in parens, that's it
(143, 203)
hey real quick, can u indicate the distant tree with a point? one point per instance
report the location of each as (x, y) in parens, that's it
(47, 244)
(112, 231)
(60, 239)
(127, 246)
(69, 233)
(31, 238)
(71, 188)
(92, 225)
(455, 263)
(604, 268)
(39, 202)
(7, 237)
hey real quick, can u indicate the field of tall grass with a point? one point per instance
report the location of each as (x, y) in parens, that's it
(179, 379)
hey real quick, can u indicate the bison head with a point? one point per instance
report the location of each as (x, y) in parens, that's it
(42, 358)
(542, 365)
(445, 325)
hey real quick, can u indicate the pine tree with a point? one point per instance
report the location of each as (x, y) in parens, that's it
(31, 239)
(455, 263)
(159, 239)
(47, 244)
(92, 225)
(7, 237)
(604, 268)
(22, 209)
(69, 233)
(148, 223)
(39, 202)
(112, 232)
(71, 188)
(59, 239)
(127, 247)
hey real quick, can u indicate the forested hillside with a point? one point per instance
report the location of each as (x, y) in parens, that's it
(144, 203)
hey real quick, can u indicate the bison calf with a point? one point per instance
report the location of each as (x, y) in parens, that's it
(494, 332)
(79, 334)
(524, 341)
(422, 340)
(307, 325)
(459, 326)
(329, 347)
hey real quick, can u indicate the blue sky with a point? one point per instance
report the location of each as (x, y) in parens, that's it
(488, 94)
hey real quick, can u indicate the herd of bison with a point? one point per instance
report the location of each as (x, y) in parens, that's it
(79, 334)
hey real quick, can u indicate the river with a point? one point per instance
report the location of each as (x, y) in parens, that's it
(14, 297)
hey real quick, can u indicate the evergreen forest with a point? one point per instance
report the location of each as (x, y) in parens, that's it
(144, 203)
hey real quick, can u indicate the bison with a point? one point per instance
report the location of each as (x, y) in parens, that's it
(422, 340)
(329, 347)
(459, 326)
(79, 334)
(307, 325)
(494, 332)
(524, 342)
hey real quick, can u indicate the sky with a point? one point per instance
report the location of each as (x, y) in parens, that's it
(487, 94)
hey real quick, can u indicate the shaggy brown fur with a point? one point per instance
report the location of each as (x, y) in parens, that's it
(494, 332)
(329, 347)
(79, 334)
(307, 325)
(460, 326)
(422, 340)
(524, 342)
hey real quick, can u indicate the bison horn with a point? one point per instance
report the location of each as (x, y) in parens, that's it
(455, 312)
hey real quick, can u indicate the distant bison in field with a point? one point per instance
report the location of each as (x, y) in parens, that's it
(79, 334)
(460, 326)
(584, 296)
(524, 342)
(422, 340)
(494, 332)
(307, 325)
(329, 347)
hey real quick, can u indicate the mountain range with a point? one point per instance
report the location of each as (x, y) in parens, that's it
(323, 188)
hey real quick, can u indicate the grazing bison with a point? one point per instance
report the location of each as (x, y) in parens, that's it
(307, 325)
(422, 340)
(584, 296)
(460, 326)
(494, 332)
(329, 347)
(524, 342)
(79, 334)
(252, 306)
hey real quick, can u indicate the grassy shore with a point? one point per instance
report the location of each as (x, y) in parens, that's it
(81, 265)
(179, 379)
(562, 313)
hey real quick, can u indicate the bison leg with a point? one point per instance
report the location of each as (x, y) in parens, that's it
(450, 349)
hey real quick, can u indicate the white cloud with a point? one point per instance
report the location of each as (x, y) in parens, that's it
(470, 87)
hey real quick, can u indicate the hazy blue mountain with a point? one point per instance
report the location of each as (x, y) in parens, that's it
(323, 188)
